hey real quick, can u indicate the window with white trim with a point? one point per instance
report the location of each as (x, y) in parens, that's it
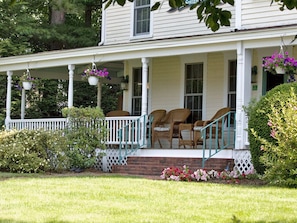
(194, 90)
(142, 16)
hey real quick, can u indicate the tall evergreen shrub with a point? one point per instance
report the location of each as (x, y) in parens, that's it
(258, 119)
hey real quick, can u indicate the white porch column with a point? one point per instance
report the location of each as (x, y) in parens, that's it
(71, 68)
(8, 98)
(23, 103)
(145, 62)
(243, 94)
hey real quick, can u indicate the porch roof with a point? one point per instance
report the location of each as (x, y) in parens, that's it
(112, 56)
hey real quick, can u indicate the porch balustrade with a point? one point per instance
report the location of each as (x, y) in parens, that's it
(113, 124)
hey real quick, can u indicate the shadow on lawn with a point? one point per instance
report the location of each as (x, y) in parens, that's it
(17, 221)
(236, 220)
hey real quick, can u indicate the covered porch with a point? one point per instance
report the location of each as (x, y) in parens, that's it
(162, 80)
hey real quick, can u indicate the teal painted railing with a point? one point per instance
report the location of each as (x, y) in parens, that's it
(133, 137)
(217, 136)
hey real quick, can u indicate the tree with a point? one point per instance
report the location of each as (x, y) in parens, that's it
(31, 26)
(208, 11)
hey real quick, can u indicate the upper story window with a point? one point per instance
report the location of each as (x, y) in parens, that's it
(141, 17)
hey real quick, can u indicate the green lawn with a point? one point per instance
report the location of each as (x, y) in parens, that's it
(110, 198)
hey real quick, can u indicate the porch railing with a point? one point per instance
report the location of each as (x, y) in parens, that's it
(133, 136)
(212, 143)
(49, 124)
(113, 124)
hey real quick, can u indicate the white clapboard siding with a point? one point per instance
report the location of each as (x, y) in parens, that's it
(259, 14)
(166, 83)
(181, 23)
(117, 28)
(215, 84)
(165, 25)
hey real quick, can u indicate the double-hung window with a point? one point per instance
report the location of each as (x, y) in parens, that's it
(142, 17)
(194, 90)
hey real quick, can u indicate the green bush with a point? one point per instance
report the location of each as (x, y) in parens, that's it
(280, 156)
(85, 133)
(31, 151)
(258, 119)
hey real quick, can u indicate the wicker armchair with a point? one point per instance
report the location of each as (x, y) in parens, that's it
(117, 113)
(199, 124)
(156, 116)
(168, 126)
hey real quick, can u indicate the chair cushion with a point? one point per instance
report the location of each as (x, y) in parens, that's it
(197, 128)
(162, 129)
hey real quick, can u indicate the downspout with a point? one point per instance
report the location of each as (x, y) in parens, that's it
(103, 25)
(238, 15)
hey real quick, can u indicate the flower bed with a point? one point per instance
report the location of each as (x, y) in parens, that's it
(225, 176)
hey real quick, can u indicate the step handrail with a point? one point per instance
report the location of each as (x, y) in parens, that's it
(214, 129)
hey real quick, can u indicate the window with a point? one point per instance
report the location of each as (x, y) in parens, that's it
(194, 90)
(137, 91)
(232, 76)
(141, 17)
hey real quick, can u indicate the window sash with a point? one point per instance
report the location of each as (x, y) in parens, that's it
(141, 17)
(193, 98)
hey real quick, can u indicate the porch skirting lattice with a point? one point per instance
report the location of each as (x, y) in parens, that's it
(110, 158)
(243, 160)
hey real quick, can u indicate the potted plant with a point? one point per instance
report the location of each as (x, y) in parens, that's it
(93, 74)
(280, 63)
(26, 80)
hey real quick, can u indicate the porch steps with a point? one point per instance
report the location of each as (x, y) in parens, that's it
(153, 166)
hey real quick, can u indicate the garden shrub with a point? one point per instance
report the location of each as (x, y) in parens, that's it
(31, 151)
(280, 155)
(85, 133)
(258, 119)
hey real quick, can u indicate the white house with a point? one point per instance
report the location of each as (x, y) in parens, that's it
(173, 61)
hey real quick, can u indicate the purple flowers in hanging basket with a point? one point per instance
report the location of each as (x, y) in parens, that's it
(96, 73)
(280, 60)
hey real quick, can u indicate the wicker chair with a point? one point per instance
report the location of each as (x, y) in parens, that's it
(117, 113)
(168, 126)
(199, 124)
(156, 116)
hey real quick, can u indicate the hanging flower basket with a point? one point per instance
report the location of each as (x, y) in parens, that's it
(94, 75)
(27, 85)
(26, 81)
(280, 63)
(280, 70)
(93, 80)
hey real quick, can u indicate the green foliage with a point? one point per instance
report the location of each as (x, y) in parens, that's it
(280, 155)
(31, 151)
(258, 119)
(285, 4)
(85, 133)
(208, 11)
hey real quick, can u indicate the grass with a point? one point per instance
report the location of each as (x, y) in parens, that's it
(110, 198)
